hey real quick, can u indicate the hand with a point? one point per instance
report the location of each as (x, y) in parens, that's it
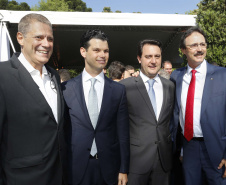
(223, 163)
(136, 74)
(122, 179)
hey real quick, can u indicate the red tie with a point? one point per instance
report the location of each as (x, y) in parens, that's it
(188, 127)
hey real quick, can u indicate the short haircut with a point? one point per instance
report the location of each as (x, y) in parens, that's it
(25, 22)
(129, 67)
(64, 75)
(166, 62)
(188, 33)
(90, 34)
(149, 42)
(116, 70)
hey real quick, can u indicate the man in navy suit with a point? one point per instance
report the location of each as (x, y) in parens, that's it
(99, 123)
(200, 110)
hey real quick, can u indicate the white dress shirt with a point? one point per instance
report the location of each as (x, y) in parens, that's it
(199, 86)
(158, 91)
(46, 86)
(99, 86)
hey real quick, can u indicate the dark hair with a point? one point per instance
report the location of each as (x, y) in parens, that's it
(90, 34)
(116, 70)
(64, 75)
(166, 62)
(188, 33)
(129, 67)
(149, 42)
(25, 22)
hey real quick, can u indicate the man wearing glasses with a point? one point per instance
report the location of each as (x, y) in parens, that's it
(200, 109)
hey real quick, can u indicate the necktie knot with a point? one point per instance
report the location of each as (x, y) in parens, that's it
(93, 81)
(193, 71)
(151, 83)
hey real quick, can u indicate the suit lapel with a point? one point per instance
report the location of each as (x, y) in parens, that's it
(25, 79)
(179, 81)
(207, 87)
(78, 89)
(106, 101)
(60, 103)
(165, 97)
(143, 91)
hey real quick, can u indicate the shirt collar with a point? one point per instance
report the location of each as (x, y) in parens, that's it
(145, 78)
(201, 68)
(86, 76)
(29, 67)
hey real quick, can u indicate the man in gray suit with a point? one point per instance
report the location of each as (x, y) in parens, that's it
(150, 104)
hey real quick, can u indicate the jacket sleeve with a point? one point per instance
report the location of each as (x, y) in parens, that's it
(2, 120)
(123, 133)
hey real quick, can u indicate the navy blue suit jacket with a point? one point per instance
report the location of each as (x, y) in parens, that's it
(111, 133)
(213, 110)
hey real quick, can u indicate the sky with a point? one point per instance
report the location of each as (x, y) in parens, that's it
(143, 6)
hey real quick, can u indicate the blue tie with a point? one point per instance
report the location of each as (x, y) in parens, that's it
(93, 111)
(151, 94)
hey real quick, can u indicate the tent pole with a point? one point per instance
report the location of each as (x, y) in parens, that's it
(9, 37)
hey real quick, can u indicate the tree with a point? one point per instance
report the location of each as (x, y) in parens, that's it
(211, 17)
(78, 6)
(3, 4)
(13, 5)
(51, 5)
(107, 9)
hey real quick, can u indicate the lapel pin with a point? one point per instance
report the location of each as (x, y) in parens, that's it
(211, 78)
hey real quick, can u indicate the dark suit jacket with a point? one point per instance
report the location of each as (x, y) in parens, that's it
(30, 138)
(213, 110)
(147, 135)
(111, 133)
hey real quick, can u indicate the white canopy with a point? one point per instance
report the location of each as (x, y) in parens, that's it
(123, 29)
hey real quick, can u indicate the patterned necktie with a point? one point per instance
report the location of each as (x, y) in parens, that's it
(151, 94)
(93, 111)
(188, 127)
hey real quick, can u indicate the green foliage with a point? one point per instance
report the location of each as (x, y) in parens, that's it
(78, 6)
(13, 5)
(107, 9)
(51, 5)
(211, 17)
(74, 72)
(118, 11)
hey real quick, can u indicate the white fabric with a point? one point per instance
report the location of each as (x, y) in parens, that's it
(158, 88)
(199, 85)
(44, 84)
(99, 86)
(4, 44)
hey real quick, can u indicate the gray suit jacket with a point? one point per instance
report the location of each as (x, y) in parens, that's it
(147, 135)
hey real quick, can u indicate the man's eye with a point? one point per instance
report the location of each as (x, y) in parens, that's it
(50, 39)
(194, 45)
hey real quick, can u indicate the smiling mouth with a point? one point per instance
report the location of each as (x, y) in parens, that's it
(44, 52)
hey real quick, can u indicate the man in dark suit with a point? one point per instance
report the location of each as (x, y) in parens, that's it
(150, 107)
(31, 110)
(200, 111)
(99, 133)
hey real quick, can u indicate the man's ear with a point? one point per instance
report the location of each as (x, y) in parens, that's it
(183, 51)
(139, 60)
(20, 38)
(83, 52)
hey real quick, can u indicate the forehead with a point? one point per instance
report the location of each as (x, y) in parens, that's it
(151, 49)
(195, 37)
(98, 43)
(168, 65)
(36, 27)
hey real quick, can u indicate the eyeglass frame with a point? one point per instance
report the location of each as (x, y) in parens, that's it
(196, 45)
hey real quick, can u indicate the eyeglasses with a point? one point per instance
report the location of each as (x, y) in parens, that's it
(196, 45)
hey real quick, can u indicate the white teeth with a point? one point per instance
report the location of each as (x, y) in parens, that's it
(45, 52)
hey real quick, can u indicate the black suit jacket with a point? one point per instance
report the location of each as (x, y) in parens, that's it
(31, 141)
(111, 133)
(147, 135)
